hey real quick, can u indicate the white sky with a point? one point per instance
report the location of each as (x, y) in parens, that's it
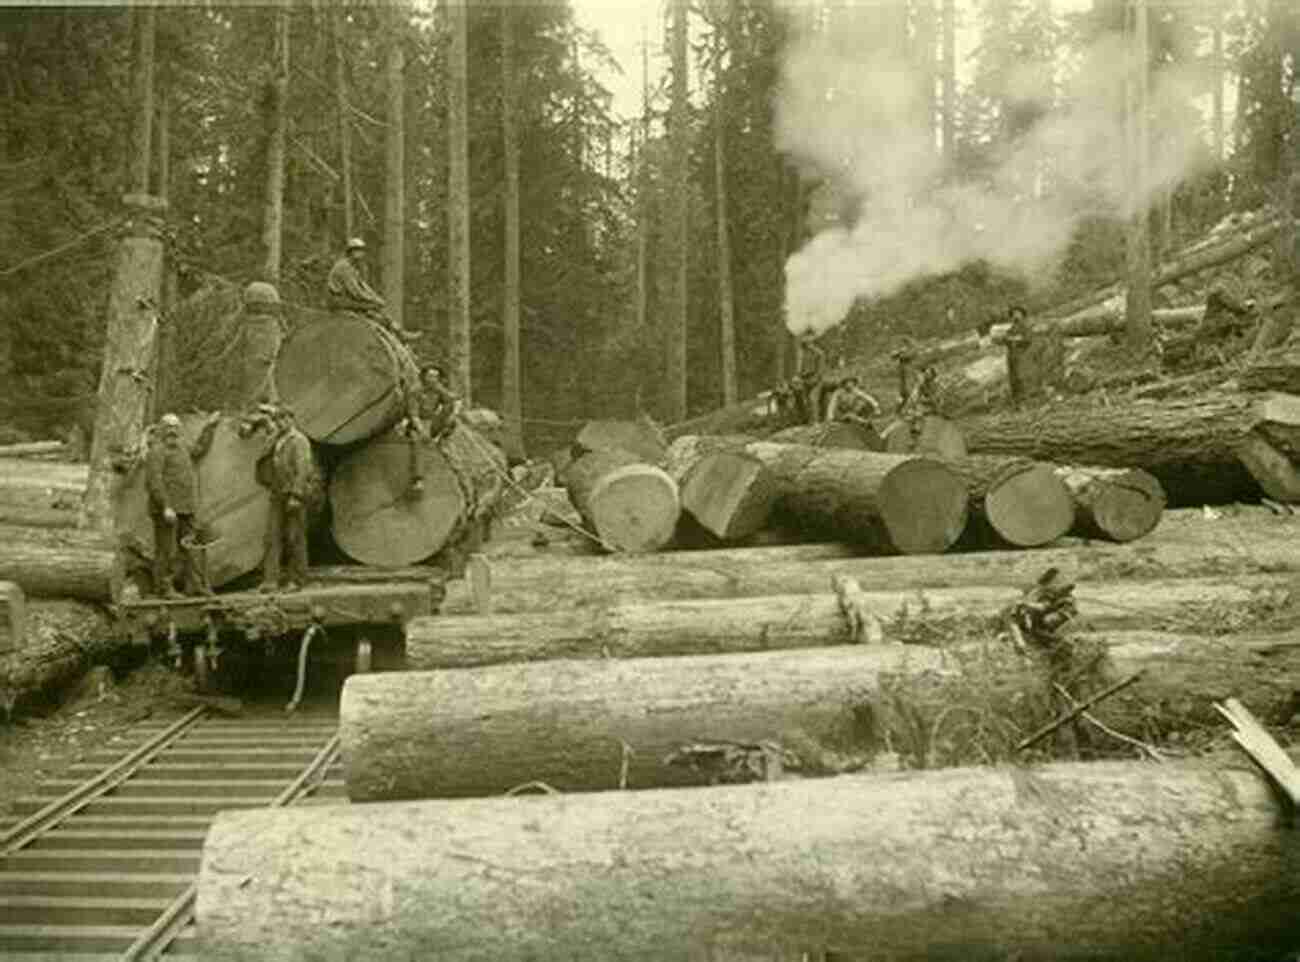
(620, 24)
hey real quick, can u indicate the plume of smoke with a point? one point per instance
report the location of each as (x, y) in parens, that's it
(850, 109)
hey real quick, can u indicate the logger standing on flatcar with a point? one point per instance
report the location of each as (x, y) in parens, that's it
(173, 501)
(288, 470)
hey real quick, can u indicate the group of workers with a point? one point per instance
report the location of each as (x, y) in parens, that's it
(285, 466)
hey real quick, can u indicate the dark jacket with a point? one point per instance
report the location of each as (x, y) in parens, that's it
(171, 478)
(288, 469)
(349, 290)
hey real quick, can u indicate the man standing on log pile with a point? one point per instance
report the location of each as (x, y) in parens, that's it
(173, 501)
(287, 468)
(349, 291)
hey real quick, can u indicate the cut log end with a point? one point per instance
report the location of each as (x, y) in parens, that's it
(923, 505)
(634, 508)
(731, 495)
(1028, 506)
(1130, 507)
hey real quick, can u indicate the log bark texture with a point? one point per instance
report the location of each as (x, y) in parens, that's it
(45, 493)
(1014, 501)
(1116, 504)
(640, 438)
(910, 503)
(716, 625)
(481, 732)
(931, 435)
(1274, 371)
(344, 377)
(730, 494)
(566, 723)
(56, 564)
(1185, 545)
(61, 640)
(832, 434)
(399, 502)
(1114, 860)
(631, 505)
(1190, 445)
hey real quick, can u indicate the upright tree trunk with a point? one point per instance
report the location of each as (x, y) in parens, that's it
(949, 83)
(345, 123)
(511, 402)
(458, 279)
(167, 333)
(277, 123)
(395, 167)
(642, 198)
(1218, 74)
(680, 147)
(924, 55)
(146, 29)
(726, 301)
(1138, 247)
(130, 344)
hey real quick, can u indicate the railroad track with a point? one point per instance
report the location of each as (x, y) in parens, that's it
(102, 865)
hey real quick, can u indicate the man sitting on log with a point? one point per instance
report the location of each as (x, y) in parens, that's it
(287, 468)
(349, 291)
(173, 489)
(851, 404)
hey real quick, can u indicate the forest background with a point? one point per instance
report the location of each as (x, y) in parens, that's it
(651, 251)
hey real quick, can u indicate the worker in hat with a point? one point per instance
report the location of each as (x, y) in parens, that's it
(172, 483)
(261, 333)
(349, 291)
(288, 468)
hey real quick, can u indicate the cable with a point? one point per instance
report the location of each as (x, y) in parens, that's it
(61, 248)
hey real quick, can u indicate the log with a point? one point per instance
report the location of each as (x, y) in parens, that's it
(32, 449)
(730, 494)
(936, 436)
(1105, 861)
(1108, 319)
(1276, 473)
(1273, 371)
(832, 434)
(56, 564)
(1190, 445)
(718, 625)
(344, 377)
(641, 438)
(234, 509)
(1116, 504)
(1185, 545)
(632, 506)
(481, 731)
(62, 639)
(381, 516)
(1014, 501)
(910, 503)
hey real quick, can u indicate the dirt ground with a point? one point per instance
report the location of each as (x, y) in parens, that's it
(98, 710)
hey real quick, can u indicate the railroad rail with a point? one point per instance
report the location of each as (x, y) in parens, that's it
(103, 865)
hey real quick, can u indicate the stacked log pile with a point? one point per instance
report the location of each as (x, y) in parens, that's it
(630, 690)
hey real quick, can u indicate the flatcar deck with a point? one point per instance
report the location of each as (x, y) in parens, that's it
(257, 614)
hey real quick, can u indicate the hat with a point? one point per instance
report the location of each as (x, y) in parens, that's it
(170, 420)
(260, 292)
(356, 244)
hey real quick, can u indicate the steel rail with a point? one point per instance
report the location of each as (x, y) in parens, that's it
(154, 941)
(53, 814)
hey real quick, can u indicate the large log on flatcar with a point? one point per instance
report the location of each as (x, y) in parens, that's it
(345, 377)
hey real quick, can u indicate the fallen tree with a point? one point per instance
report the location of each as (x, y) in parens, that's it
(398, 501)
(910, 503)
(1185, 545)
(615, 723)
(643, 439)
(1273, 371)
(56, 564)
(1014, 501)
(832, 434)
(1116, 504)
(1191, 445)
(1111, 860)
(631, 506)
(718, 625)
(61, 640)
(344, 377)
